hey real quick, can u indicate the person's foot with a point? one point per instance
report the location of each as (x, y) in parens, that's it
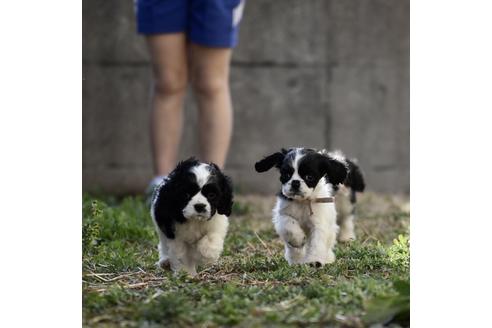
(154, 183)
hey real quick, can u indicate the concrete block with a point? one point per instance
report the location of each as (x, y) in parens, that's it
(115, 115)
(369, 120)
(375, 31)
(287, 31)
(115, 120)
(109, 33)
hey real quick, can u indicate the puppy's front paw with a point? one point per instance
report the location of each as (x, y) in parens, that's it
(346, 235)
(320, 259)
(296, 244)
(191, 271)
(209, 251)
(331, 257)
(295, 240)
(163, 264)
(315, 264)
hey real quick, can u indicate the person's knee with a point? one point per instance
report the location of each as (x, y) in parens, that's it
(171, 83)
(208, 84)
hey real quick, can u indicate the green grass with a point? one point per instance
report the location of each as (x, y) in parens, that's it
(252, 284)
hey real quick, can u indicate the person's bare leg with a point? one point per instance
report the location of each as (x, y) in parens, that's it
(210, 79)
(169, 64)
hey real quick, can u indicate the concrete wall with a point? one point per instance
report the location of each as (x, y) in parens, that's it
(319, 73)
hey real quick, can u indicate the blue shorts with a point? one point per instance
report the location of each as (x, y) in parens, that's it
(212, 23)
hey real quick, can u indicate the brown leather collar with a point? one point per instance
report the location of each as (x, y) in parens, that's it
(309, 201)
(318, 200)
(324, 200)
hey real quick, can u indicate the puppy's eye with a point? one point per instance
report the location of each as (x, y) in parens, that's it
(212, 195)
(309, 178)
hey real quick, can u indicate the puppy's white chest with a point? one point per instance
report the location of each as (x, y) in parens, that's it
(322, 213)
(191, 231)
(298, 211)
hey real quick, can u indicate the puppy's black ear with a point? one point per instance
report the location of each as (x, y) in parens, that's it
(163, 212)
(268, 162)
(184, 166)
(335, 170)
(224, 206)
(355, 179)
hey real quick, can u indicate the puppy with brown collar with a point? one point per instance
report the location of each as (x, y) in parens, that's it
(305, 214)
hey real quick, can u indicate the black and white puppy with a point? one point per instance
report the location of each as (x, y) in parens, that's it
(190, 210)
(305, 215)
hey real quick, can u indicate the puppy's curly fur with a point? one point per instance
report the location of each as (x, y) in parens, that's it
(190, 210)
(307, 227)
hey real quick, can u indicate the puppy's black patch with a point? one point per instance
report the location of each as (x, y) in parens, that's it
(286, 171)
(355, 179)
(311, 169)
(222, 191)
(173, 196)
(336, 171)
(313, 166)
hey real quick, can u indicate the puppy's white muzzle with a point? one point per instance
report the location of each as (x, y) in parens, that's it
(198, 208)
(301, 192)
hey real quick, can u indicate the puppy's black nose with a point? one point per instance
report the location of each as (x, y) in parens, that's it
(200, 208)
(295, 184)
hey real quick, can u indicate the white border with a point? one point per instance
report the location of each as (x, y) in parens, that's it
(40, 176)
(451, 226)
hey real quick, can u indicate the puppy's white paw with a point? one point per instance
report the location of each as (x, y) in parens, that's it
(346, 235)
(331, 257)
(295, 240)
(191, 271)
(320, 260)
(209, 251)
(294, 255)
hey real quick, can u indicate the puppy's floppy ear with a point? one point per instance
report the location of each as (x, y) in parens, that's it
(355, 179)
(335, 170)
(224, 206)
(165, 214)
(268, 162)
